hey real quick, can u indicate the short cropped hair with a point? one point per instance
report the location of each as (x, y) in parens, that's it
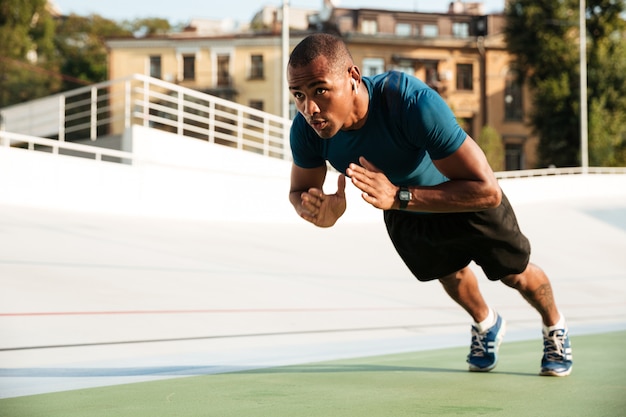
(321, 44)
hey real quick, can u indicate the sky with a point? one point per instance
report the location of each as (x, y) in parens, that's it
(181, 11)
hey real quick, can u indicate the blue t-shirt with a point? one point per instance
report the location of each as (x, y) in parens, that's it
(408, 125)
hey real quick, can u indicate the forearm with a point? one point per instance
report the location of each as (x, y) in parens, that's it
(472, 185)
(454, 196)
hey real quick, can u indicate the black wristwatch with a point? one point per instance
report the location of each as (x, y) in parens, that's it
(404, 195)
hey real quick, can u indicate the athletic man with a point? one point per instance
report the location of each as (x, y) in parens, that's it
(400, 144)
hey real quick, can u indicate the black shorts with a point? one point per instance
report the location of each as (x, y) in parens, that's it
(434, 245)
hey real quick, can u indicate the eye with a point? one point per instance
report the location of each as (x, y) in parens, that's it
(298, 96)
(320, 91)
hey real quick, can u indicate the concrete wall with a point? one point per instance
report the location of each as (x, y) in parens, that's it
(174, 176)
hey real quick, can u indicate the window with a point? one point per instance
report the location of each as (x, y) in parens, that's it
(432, 75)
(403, 29)
(223, 70)
(189, 67)
(464, 77)
(155, 66)
(256, 104)
(513, 108)
(369, 27)
(373, 66)
(513, 156)
(430, 31)
(480, 26)
(256, 67)
(221, 58)
(460, 30)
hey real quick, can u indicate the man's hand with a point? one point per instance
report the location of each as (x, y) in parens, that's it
(376, 187)
(323, 210)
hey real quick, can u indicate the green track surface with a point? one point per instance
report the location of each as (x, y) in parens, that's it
(425, 383)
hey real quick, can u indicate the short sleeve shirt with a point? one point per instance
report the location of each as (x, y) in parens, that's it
(407, 127)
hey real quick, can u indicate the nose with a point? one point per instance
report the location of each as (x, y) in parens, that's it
(310, 107)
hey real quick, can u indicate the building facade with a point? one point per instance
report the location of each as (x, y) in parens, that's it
(460, 53)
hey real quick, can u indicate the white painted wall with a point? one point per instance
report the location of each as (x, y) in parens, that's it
(175, 176)
(172, 176)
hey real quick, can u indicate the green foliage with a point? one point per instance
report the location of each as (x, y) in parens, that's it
(607, 84)
(147, 26)
(16, 26)
(80, 42)
(26, 30)
(544, 34)
(490, 142)
(41, 55)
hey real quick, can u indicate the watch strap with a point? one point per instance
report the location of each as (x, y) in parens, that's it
(404, 201)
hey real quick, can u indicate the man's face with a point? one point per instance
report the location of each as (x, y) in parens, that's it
(323, 96)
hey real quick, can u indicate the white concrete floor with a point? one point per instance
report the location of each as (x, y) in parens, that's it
(93, 299)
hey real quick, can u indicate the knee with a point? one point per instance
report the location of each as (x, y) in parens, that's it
(455, 276)
(521, 280)
(513, 281)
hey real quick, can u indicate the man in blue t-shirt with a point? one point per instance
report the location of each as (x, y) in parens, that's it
(400, 144)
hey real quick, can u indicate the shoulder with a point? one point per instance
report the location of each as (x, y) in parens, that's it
(418, 111)
(397, 82)
(399, 91)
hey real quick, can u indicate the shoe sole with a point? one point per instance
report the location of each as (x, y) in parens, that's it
(555, 373)
(499, 337)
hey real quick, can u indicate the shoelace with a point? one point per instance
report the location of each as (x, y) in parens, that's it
(478, 345)
(554, 345)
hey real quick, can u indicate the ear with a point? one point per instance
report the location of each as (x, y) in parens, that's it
(355, 75)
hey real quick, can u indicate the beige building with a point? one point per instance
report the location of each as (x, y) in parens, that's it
(460, 53)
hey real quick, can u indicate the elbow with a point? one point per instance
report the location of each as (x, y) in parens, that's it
(494, 196)
(488, 194)
(295, 198)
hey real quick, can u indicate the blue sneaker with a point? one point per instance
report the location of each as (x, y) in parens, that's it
(483, 356)
(557, 354)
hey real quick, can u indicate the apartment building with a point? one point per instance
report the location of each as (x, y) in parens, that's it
(460, 53)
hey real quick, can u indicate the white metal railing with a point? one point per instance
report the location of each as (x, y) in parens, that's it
(110, 107)
(559, 171)
(9, 139)
(32, 143)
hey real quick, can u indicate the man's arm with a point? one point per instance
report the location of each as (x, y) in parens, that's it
(308, 198)
(472, 186)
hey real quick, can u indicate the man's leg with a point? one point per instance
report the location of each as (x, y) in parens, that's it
(488, 329)
(535, 287)
(462, 287)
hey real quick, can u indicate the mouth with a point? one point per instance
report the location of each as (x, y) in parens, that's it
(318, 125)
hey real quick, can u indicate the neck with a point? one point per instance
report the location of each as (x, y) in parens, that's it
(361, 107)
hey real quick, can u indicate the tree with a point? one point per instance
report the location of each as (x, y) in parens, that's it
(147, 26)
(490, 142)
(541, 34)
(607, 83)
(41, 55)
(80, 44)
(27, 55)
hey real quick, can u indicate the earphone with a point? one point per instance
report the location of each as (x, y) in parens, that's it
(354, 86)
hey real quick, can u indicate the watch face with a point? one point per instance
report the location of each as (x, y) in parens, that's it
(404, 195)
